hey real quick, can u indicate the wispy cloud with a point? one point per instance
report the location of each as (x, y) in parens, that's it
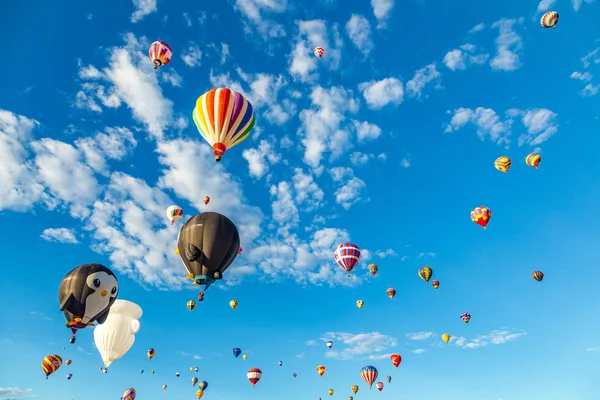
(16, 393)
(362, 345)
(419, 351)
(493, 338)
(61, 235)
(40, 315)
(419, 335)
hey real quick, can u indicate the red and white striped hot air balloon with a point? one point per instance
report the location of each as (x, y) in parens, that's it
(549, 19)
(369, 374)
(347, 255)
(319, 52)
(254, 375)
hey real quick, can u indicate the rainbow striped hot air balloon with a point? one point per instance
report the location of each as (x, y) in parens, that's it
(51, 364)
(369, 374)
(533, 160)
(224, 118)
(347, 255)
(538, 275)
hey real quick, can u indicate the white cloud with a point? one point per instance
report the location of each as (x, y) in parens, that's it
(362, 345)
(261, 158)
(285, 212)
(312, 343)
(545, 5)
(358, 158)
(187, 19)
(495, 337)
(309, 195)
(142, 9)
(358, 29)
(15, 392)
(590, 90)
(486, 120)
(426, 255)
(541, 125)
(577, 3)
(419, 351)
(586, 76)
(349, 186)
(382, 10)
(171, 77)
(366, 131)
(386, 253)
(61, 235)
(405, 162)
(379, 94)
(593, 57)
(254, 15)
(303, 64)
(192, 55)
(40, 315)
(477, 28)
(508, 46)
(419, 335)
(463, 57)
(422, 77)
(113, 144)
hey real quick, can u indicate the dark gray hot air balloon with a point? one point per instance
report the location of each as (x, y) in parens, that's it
(86, 294)
(207, 244)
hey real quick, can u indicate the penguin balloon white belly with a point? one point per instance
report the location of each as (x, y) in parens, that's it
(105, 289)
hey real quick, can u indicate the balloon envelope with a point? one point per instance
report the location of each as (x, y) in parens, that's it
(115, 337)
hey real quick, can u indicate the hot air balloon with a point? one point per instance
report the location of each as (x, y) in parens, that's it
(360, 303)
(191, 369)
(329, 344)
(129, 394)
(207, 244)
(549, 19)
(104, 371)
(330, 392)
(174, 213)
(233, 304)
(321, 370)
(50, 364)
(69, 376)
(199, 393)
(203, 385)
(481, 216)
(245, 357)
(177, 374)
(425, 273)
(319, 52)
(224, 118)
(465, 316)
(206, 200)
(240, 250)
(435, 284)
(141, 371)
(391, 292)
(280, 363)
(160, 53)
(164, 387)
(533, 160)
(68, 362)
(369, 374)
(538, 275)
(354, 388)
(373, 268)
(388, 378)
(153, 372)
(379, 386)
(115, 337)
(191, 305)
(350, 398)
(151, 353)
(254, 375)
(236, 351)
(446, 338)
(196, 369)
(396, 359)
(502, 164)
(347, 255)
(86, 294)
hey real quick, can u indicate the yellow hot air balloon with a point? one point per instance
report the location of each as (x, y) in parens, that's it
(191, 305)
(354, 389)
(224, 118)
(164, 387)
(330, 392)
(321, 370)
(446, 337)
(199, 394)
(502, 164)
(360, 304)
(244, 356)
(233, 304)
(191, 369)
(425, 273)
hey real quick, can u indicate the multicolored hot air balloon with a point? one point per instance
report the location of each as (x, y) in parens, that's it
(425, 273)
(360, 303)
(379, 386)
(373, 268)
(347, 255)
(391, 292)
(329, 344)
(51, 364)
(435, 284)
(538, 275)
(174, 213)
(354, 388)
(254, 375)
(224, 118)
(321, 370)
(191, 305)
(369, 374)
(68, 362)
(396, 359)
(151, 353)
(388, 378)
(129, 394)
(69, 376)
(236, 351)
(160, 53)
(549, 19)
(502, 164)
(481, 216)
(330, 392)
(319, 52)
(446, 338)
(465, 316)
(233, 304)
(533, 160)
(206, 200)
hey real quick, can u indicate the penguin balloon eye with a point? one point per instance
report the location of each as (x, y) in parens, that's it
(97, 283)
(113, 290)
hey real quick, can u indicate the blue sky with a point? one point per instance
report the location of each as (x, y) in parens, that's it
(388, 141)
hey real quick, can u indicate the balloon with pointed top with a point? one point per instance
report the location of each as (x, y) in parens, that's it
(160, 53)
(236, 351)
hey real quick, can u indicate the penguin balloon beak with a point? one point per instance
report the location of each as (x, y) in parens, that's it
(103, 293)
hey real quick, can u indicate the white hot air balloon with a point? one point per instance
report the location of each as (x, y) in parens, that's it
(174, 213)
(115, 337)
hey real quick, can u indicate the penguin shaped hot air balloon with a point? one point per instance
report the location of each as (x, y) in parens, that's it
(207, 244)
(86, 294)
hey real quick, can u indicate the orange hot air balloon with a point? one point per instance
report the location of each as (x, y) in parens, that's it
(396, 359)
(481, 216)
(51, 364)
(435, 284)
(320, 370)
(206, 200)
